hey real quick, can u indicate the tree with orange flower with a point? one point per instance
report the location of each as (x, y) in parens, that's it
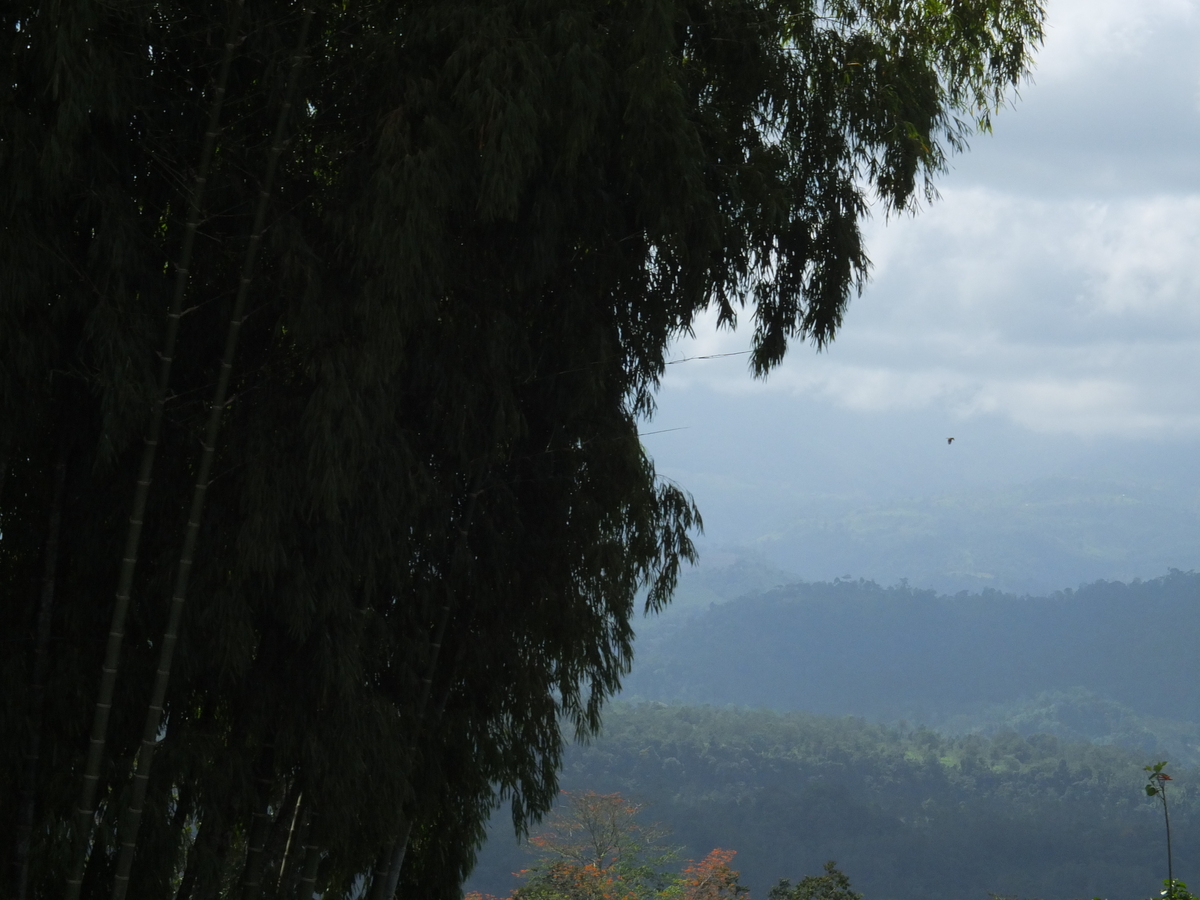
(595, 848)
(713, 878)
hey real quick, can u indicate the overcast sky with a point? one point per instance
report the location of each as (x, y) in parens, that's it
(1045, 312)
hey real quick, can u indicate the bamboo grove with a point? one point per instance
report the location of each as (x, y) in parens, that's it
(325, 334)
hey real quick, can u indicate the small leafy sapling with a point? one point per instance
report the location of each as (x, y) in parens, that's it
(1156, 786)
(1175, 890)
(833, 885)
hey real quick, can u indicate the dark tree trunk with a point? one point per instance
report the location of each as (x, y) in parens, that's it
(306, 885)
(287, 876)
(116, 632)
(150, 730)
(269, 841)
(379, 875)
(399, 849)
(37, 683)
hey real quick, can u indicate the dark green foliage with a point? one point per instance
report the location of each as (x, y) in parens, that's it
(429, 513)
(833, 885)
(910, 813)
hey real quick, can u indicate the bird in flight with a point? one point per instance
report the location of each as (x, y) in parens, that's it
(949, 440)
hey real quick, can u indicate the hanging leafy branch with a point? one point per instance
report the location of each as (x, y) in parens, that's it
(487, 225)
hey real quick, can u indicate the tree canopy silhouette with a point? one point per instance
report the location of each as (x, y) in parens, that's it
(325, 332)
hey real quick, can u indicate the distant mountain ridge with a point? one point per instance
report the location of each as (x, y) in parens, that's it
(1021, 538)
(854, 647)
(898, 503)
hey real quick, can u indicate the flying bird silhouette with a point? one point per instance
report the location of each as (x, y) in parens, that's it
(949, 440)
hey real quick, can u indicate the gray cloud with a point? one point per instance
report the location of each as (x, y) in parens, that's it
(1045, 310)
(1113, 109)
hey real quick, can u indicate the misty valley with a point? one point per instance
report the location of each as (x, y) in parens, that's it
(933, 745)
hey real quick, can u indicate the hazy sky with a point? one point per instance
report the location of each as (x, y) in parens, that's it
(1045, 312)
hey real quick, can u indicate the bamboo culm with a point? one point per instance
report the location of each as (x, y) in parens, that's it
(268, 842)
(295, 834)
(379, 875)
(145, 756)
(37, 683)
(260, 819)
(306, 887)
(400, 848)
(289, 885)
(399, 851)
(85, 812)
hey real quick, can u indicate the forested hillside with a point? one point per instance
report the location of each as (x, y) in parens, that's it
(1057, 703)
(901, 653)
(906, 812)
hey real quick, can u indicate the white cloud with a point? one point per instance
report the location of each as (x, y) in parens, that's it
(1142, 256)
(1066, 268)
(1113, 108)
(1082, 35)
(1065, 316)
(1086, 407)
